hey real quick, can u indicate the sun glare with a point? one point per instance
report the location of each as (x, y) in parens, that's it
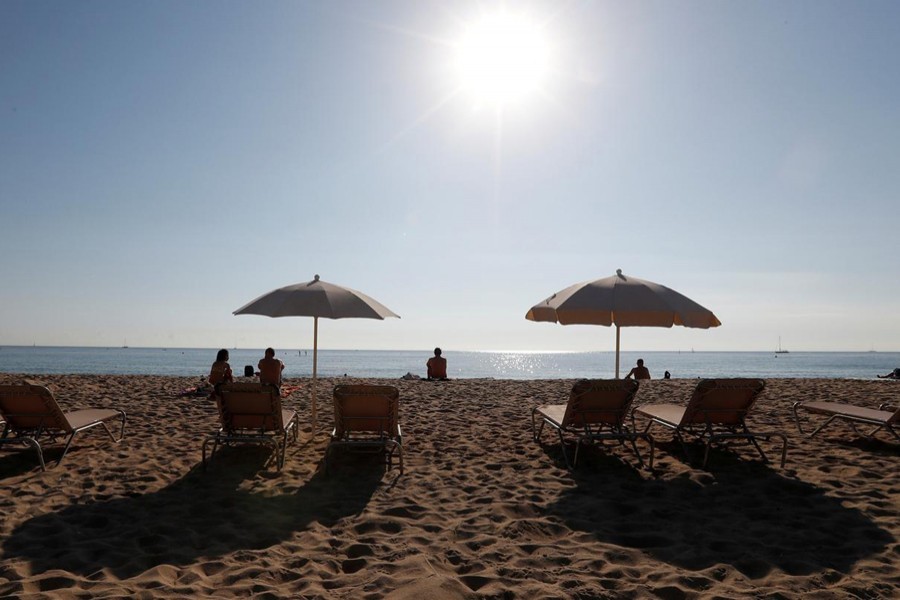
(502, 58)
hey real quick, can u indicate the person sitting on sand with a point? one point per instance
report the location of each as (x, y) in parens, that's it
(270, 369)
(895, 374)
(221, 370)
(437, 366)
(640, 371)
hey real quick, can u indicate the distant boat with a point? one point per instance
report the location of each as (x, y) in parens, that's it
(780, 350)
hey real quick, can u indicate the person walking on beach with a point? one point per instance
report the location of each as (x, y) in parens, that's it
(640, 371)
(220, 372)
(437, 366)
(270, 368)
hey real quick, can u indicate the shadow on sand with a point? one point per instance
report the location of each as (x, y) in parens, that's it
(200, 515)
(740, 512)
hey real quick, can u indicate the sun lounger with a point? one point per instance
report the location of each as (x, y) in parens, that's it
(32, 414)
(596, 411)
(366, 417)
(715, 413)
(881, 418)
(251, 413)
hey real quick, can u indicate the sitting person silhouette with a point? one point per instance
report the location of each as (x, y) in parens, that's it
(895, 374)
(640, 371)
(437, 366)
(220, 372)
(270, 368)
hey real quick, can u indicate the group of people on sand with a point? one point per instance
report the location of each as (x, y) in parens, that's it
(437, 368)
(642, 372)
(270, 369)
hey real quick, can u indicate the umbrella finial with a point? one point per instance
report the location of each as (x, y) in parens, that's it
(316, 277)
(619, 273)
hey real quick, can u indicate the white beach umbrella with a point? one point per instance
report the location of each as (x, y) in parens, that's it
(316, 299)
(624, 302)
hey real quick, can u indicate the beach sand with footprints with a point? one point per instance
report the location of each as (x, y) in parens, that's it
(482, 511)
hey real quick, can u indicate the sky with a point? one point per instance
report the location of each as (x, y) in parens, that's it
(163, 163)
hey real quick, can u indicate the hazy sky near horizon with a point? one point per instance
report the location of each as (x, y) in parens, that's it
(163, 163)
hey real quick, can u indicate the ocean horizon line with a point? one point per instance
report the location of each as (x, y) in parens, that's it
(445, 349)
(462, 363)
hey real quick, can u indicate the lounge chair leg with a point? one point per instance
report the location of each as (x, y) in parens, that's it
(215, 442)
(399, 448)
(562, 445)
(66, 449)
(121, 428)
(636, 452)
(706, 452)
(535, 430)
(37, 448)
(109, 432)
(281, 451)
(753, 441)
(794, 407)
(893, 431)
(684, 447)
(784, 445)
(797, 417)
(823, 425)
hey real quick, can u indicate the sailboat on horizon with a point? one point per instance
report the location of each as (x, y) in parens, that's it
(780, 350)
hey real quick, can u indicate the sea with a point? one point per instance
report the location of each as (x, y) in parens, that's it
(393, 364)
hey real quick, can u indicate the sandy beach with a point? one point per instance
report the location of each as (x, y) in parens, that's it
(482, 511)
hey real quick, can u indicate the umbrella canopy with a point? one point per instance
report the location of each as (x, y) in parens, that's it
(316, 299)
(624, 302)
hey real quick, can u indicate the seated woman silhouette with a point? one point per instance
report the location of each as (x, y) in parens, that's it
(220, 372)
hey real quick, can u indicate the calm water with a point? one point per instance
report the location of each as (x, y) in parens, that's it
(499, 365)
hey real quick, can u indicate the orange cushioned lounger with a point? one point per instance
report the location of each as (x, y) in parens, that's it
(251, 413)
(716, 412)
(32, 414)
(596, 410)
(366, 417)
(881, 418)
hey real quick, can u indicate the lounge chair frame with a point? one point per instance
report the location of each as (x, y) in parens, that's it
(48, 421)
(886, 420)
(711, 423)
(596, 411)
(260, 422)
(376, 431)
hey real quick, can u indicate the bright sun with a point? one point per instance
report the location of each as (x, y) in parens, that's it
(502, 58)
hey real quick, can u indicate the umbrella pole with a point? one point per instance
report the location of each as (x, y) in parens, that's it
(617, 352)
(315, 415)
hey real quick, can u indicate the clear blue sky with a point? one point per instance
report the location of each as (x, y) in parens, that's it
(163, 163)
